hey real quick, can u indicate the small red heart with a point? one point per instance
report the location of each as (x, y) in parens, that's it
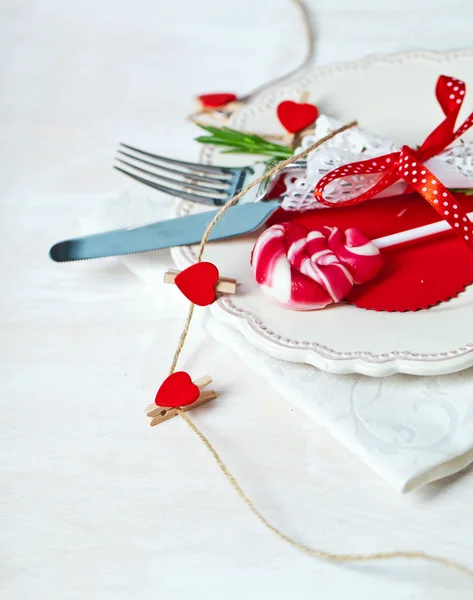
(295, 117)
(177, 390)
(216, 100)
(197, 283)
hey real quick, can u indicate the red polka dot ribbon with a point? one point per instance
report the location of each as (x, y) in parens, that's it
(360, 181)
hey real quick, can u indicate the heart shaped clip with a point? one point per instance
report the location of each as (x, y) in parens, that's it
(297, 118)
(200, 283)
(178, 391)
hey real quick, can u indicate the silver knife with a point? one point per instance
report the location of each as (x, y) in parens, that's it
(240, 219)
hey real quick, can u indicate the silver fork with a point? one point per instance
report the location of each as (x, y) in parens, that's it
(206, 184)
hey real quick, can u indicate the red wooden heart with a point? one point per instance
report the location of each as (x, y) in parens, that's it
(197, 283)
(216, 100)
(177, 390)
(295, 117)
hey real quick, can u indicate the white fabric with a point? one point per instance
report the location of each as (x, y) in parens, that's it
(93, 504)
(410, 430)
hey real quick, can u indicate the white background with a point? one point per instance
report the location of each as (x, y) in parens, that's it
(95, 504)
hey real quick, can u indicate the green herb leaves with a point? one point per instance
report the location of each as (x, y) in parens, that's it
(244, 143)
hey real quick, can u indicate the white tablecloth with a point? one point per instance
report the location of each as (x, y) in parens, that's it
(93, 503)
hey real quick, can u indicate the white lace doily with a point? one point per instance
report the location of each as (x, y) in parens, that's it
(460, 158)
(454, 166)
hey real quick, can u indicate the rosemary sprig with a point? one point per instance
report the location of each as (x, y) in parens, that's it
(242, 143)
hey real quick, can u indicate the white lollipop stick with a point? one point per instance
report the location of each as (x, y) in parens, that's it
(414, 234)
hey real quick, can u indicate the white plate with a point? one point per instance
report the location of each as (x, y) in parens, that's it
(393, 96)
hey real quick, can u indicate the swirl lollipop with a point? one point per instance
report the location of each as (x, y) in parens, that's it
(307, 270)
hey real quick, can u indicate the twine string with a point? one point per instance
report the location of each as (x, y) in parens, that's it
(309, 54)
(314, 552)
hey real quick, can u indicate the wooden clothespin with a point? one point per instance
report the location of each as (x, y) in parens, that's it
(159, 414)
(225, 285)
(215, 108)
(297, 137)
(201, 282)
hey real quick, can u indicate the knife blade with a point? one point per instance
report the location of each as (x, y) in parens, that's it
(240, 219)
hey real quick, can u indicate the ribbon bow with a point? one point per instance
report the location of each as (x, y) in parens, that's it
(362, 180)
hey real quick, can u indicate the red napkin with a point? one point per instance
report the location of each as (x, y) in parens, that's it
(414, 276)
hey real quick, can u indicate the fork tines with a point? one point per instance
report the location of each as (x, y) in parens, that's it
(206, 184)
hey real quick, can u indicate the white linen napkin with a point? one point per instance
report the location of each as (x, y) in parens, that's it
(410, 430)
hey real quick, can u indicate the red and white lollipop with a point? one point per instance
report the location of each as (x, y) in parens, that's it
(307, 270)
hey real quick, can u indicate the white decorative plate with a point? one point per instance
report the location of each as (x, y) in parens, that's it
(392, 96)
